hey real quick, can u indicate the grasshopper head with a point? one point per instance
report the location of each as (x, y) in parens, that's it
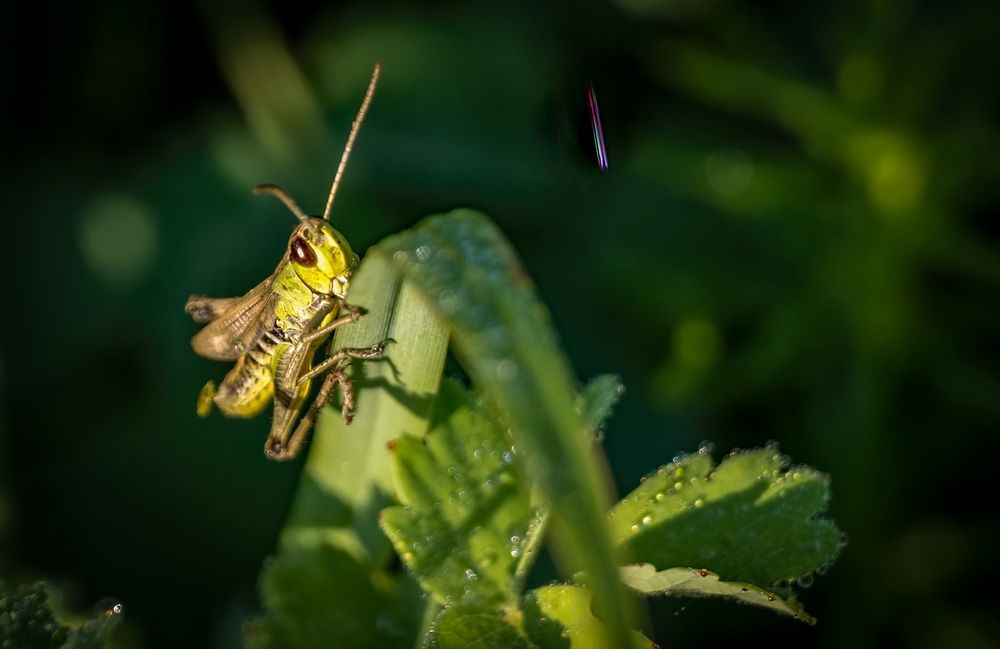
(321, 257)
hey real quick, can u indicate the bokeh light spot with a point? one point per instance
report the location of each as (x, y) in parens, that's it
(892, 168)
(696, 342)
(729, 171)
(859, 78)
(118, 239)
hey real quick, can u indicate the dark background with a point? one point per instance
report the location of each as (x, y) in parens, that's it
(796, 240)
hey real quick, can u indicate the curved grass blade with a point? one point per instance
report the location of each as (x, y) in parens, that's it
(470, 275)
(347, 477)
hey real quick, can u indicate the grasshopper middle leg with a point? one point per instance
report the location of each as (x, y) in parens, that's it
(335, 368)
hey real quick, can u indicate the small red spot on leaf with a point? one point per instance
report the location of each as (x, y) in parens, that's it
(703, 572)
(391, 445)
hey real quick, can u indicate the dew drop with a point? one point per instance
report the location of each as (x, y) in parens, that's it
(109, 608)
(471, 575)
(805, 581)
(660, 497)
(699, 502)
(646, 520)
(635, 529)
(507, 370)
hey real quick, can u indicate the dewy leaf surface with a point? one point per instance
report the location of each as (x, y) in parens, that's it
(552, 617)
(321, 596)
(347, 477)
(472, 626)
(693, 582)
(749, 520)
(502, 334)
(465, 514)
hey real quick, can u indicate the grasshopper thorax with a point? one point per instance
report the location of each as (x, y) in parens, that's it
(321, 257)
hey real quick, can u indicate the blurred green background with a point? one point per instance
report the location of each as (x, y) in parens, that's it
(797, 239)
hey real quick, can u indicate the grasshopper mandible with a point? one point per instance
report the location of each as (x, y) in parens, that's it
(273, 331)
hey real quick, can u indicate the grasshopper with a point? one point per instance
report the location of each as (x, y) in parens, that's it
(274, 331)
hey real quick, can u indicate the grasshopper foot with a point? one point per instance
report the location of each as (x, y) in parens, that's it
(277, 451)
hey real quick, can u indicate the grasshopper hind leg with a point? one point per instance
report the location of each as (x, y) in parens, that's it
(335, 368)
(206, 398)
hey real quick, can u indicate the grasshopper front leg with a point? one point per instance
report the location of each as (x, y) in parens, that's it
(343, 356)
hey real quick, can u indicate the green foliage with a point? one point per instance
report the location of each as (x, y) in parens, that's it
(694, 582)
(476, 476)
(28, 622)
(502, 334)
(464, 512)
(323, 597)
(560, 617)
(749, 519)
(552, 617)
(473, 626)
(597, 400)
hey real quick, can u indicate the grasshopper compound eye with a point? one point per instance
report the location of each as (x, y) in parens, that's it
(301, 253)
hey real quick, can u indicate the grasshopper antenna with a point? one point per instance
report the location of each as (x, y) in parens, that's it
(289, 202)
(355, 127)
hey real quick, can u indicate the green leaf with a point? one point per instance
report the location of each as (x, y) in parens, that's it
(559, 617)
(552, 617)
(473, 626)
(502, 334)
(597, 400)
(464, 512)
(748, 520)
(28, 622)
(321, 597)
(346, 480)
(691, 582)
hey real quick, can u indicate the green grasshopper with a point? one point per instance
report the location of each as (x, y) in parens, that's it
(273, 331)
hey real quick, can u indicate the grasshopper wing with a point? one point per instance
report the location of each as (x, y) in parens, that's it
(240, 327)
